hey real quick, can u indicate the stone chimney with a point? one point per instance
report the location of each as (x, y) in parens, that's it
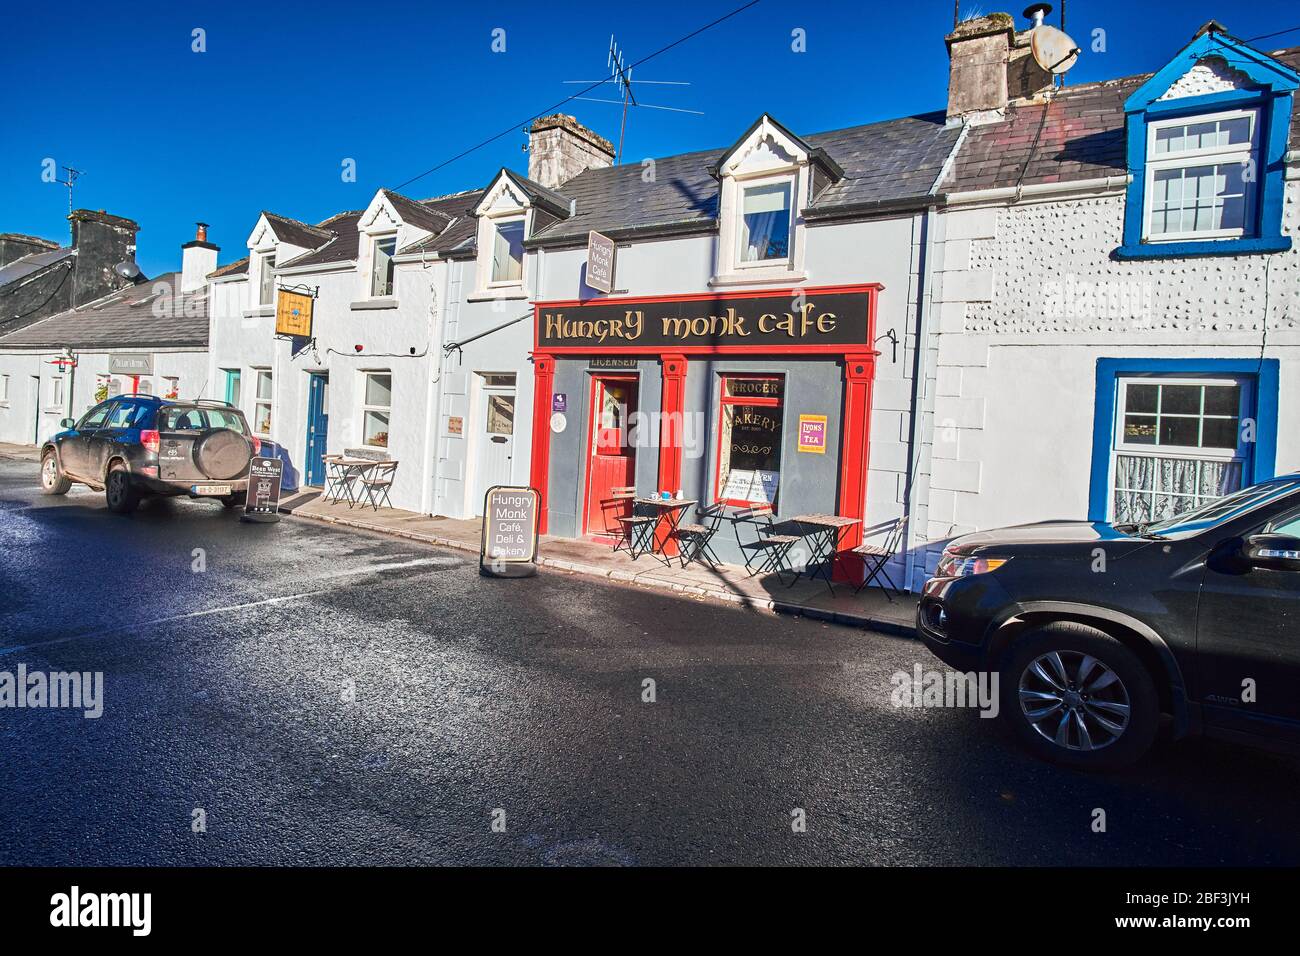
(101, 241)
(559, 147)
(14, 245)
(978, 53)
(198, 258)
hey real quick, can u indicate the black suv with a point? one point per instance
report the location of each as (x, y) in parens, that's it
(1096, 629)
(135, 446)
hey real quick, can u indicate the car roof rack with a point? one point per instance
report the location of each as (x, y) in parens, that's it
(204, 401)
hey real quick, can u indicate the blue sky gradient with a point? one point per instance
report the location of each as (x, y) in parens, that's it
(285, 92)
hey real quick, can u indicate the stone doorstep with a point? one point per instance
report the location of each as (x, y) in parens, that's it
(680, 581)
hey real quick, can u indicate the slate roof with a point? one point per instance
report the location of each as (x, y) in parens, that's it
(1079, 133)
(297, 233)
(30, 264)
(138, 316)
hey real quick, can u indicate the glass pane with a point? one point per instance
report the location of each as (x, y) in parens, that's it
(1180, 400)
(1234, 131)
(753, 387)
(381, 282)
(751, 450)
(1180, 431)
(220, 418)
(499, 381)
(1139, 429)
(262, 418)
(1222, 399)
(765, 230)
(264, 385)
(1142, 398)
(379, 390)
(501, 415)
(508, 252)
(1219, 433)
(375, 430)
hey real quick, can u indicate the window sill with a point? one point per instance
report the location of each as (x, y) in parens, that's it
(382, 302)
(261, 312)
(492, 295)
(1203, 247)
(757, 277)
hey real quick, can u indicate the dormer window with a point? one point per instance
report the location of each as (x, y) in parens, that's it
(266, 279)
(1202, 180)
(508, 252)
(765, 223)
(381, 266)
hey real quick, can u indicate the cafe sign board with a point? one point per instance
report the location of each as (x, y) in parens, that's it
(265, 476)
(293, 314)
(130, 363)
(508, 547)
(600, 262)
(801, 320)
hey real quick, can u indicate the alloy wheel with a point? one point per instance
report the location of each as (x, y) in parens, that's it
(116, 487)
(1074, 700)
(49, 471)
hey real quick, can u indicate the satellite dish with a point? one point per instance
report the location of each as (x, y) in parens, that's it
(1053, 49)
(127, 269)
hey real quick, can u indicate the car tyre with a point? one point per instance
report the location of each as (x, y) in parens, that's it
(1076, 697)
(121, 495)
(53, 480)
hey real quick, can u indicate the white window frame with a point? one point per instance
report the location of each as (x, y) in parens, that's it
(791, 182)
(495, 223)
(375, 241)
(366, 375)
(1237, 154)
(4, 389)
(269, 402)
(265, 270)
(56, 395)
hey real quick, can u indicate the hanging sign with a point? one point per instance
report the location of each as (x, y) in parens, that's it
(265, 477)
(812, 434)
(508, 547)
(293, 314)
(130, 363)
(600, 262)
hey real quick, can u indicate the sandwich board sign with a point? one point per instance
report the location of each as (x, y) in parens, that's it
(263, 501)
(508, 548)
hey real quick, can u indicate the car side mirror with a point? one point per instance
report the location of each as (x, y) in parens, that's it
(1278, 552)
(67, 422)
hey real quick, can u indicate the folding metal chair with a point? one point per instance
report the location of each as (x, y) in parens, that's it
(693, 539)
(339, 479)
(875, 557)
(375, 482)
(769, 549)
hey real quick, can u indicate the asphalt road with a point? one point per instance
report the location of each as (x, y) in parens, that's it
(330, 697)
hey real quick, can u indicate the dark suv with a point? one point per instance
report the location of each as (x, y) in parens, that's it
(135, 446)
(1096, 629)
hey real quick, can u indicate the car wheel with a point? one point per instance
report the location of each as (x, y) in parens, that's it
(121, 496)
(1075, 696)
(53, 480)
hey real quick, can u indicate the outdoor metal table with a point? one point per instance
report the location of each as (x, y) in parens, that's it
(824, 534)
(347, 471)
(669, 511)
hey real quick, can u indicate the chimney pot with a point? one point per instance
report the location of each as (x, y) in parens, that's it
(201, 233)
(559, 148)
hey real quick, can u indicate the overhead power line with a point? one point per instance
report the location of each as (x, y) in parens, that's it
(586, 89)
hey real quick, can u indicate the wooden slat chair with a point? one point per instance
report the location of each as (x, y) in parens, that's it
(693, 539)
(769, 549)
(876, 556)
(375, 482)
(636, 532)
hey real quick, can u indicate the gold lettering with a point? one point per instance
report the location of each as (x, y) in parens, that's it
(676, 327)
(554, 325)
(826, 322)
(805, 322)
(764, 321)
(634, 321)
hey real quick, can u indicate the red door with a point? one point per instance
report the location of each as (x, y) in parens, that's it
(613, 460)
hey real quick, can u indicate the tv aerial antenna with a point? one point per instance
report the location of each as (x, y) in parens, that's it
(71, 181)
(622, 76)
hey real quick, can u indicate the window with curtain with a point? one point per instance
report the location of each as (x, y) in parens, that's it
(1202, 177)
(381, 271)
(765, 223)
(508, 251)
(262, 403)
(376, 409)
(1178, 444)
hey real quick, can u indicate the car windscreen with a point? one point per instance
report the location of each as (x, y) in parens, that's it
(177, 418)
(1216, 512)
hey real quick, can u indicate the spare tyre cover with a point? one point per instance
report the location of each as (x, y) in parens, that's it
(222, 454)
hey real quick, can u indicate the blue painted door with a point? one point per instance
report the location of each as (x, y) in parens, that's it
(317, 428)
(232, 386)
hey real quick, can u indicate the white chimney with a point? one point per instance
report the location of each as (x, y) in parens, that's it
(559, 147)
(198, 258)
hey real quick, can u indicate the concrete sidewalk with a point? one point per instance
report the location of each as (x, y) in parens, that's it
(869, 609)
(19, 452)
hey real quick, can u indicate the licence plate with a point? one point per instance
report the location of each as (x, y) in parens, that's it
(210, 489)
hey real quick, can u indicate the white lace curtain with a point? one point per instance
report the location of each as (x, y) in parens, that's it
(1151, 488)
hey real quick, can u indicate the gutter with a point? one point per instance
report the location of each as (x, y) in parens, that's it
(906, 204)
(1013, 194)
(684, 227)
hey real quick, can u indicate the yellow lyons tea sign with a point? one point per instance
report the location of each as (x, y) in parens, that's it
(293, 314)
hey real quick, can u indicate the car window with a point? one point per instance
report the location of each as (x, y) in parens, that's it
(221, 418)
(1288, 524)
(121, 415)
(95, 417)
(183, 420)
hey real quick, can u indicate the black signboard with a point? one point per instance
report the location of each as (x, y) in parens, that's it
(508, 547)
(794, 320)
(264, 478)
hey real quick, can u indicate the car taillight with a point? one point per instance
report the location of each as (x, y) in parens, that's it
(151, 440)
(257, 445)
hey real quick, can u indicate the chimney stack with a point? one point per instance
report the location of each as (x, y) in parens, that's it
(198, 258)
(978, 52)
(101, 241)
(559, 147)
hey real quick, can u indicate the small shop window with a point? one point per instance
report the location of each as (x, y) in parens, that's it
(1178, 445)
(262, 402)
(749, 439)
(377, 408)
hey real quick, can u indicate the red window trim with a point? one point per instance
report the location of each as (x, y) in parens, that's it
(724, 401)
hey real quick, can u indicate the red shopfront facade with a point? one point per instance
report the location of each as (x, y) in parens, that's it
(746, 397)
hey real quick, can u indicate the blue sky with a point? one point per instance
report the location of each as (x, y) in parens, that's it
(285, 92)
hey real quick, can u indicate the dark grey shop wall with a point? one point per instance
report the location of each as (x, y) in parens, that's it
(809, 482)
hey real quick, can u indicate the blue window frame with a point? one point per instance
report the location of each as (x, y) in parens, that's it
(1123, 424)
(1208, 172)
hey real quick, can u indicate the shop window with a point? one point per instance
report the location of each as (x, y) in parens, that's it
(1200, 177)
(750, 423)
(1179, 443)
(765, 223)
(262, 402)
(266, 279)
(171, 387)
(381, 266)
(508, 251)
(376, 409)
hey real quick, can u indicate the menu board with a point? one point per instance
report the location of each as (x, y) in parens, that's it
(509, 544)
(265, 476)
(757, 485)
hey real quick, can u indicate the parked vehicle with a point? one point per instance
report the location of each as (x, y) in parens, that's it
(136, 446)
(1097, 629)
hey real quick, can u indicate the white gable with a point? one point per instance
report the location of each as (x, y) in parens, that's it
(1209, 75)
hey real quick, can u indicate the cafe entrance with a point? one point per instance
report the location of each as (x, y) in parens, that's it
(612, 458)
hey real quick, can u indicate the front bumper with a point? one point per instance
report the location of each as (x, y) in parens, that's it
(955, 615)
